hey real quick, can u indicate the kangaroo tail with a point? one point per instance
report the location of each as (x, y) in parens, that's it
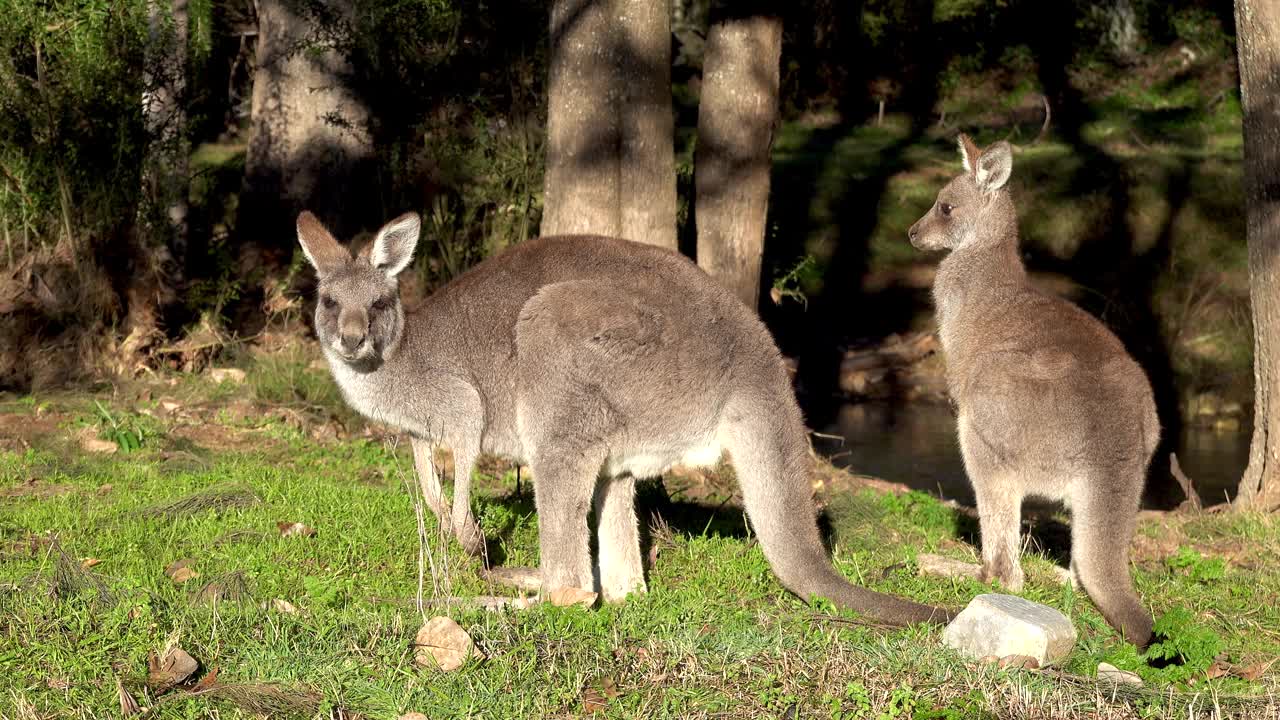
(770, 453)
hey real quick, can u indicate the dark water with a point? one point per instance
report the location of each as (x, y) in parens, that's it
(915, 444)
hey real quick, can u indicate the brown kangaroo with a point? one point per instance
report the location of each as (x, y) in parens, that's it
(1049, 402)
(597, 361)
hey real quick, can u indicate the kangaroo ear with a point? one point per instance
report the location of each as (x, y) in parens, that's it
(394, 244)
(969, 152)
(994, 167)
(322, 251)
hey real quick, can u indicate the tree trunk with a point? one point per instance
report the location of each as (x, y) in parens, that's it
(648, 165)
(310, 144)
(164, 174)
(736, 118)
(1258, 30)
(582, 188)
(155, 254)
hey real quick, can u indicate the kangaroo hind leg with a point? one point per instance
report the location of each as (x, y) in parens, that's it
(621, 568)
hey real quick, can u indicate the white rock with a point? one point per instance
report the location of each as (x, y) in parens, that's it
(1107, 671)
(1003, 625)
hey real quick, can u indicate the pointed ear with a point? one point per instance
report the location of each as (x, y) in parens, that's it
(322, 251)
(393, 247)
(994, 167)
(968, 152)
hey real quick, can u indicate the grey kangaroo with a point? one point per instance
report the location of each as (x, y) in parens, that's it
(1049, 403)
(597, 361)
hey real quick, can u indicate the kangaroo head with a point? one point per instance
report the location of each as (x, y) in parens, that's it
(973, 206)
(359, 318)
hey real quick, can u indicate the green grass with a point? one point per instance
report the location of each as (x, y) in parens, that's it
(715, 634)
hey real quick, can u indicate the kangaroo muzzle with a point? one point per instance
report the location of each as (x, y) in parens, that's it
(353, 329)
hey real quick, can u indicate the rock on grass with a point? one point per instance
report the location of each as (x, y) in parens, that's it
(444, 644)
(1003, 625)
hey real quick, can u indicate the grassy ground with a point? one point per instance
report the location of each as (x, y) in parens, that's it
(302, 626)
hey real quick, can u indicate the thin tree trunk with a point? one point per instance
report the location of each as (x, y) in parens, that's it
(164, 174)
(310, 144)
(582, 187)
(648, 166)
(736, 118)
(1258, 30)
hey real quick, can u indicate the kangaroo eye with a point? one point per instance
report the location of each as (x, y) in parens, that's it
(946, 209)
(328, 302)
(381, 304)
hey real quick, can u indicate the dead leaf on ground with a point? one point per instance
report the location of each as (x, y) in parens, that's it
(593, 701)
(173, 669)
(105, 488)
(290, 529)
(89, 562)
(128, 706)
(209, 680)
(1253, 672)
(443, 643)
(413, 716)
(181, 571)
(566, 596)
(58, 683)
(182, 575)
(1219, 668)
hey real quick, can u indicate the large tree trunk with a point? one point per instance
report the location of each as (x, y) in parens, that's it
(582, 188)
(648, 171)
(310, 144)
(736, 118)
(610, 158)
(1258, 30)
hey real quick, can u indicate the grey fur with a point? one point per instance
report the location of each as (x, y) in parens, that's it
(1049, 402)
(595, 360)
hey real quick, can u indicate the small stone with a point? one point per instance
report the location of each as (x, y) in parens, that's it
(938, 565)
(444, 644)
(413, 716)
(1004, 625)
(96, 445)
(1107, 671)
(232, 375)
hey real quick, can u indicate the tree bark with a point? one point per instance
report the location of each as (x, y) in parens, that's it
(165, 184)
(648, 165)
(1258, 30)
(736, 118)
(582, 188)
(310, 145)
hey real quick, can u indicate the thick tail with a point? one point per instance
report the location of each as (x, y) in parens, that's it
(1102, 528)
(770, 455)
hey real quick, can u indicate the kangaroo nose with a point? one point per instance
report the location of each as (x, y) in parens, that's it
(913, 233)
(351, 342)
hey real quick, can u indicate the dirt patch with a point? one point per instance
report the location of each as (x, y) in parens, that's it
(35, 488)
(216, 437)
(20, 431)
